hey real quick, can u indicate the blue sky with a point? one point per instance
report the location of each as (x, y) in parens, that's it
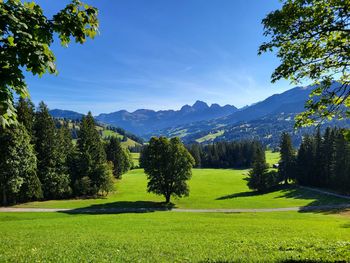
(162, 54)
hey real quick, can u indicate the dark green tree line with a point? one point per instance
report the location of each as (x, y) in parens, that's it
(323, 160)
(38, 159)
(225, 154)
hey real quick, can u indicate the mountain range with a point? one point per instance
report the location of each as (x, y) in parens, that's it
(202, 123)
(145, 121)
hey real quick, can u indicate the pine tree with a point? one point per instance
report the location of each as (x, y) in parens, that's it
(25, 114)
(305, 161)
(256, 176)
(327, 156)
(51, 160)
(18, 178)
(340, 180)
(286, 166)
(196, 154)
(91, 154)
(318, 160)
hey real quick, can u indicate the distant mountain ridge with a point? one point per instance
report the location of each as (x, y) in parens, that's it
(203, 123)
(145, 121)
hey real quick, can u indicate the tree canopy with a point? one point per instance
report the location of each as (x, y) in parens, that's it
(312, 41)
(168, 166)
(26, 35)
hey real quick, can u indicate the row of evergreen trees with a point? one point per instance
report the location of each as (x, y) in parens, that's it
(322, 160)
(225, 154)
(38, 159)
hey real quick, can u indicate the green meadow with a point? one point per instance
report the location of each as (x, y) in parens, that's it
(209, 188)
(174, 237)
(170, 236)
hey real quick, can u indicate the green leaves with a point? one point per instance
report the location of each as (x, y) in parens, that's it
(168, 165)
(28, 37)
(312, 41)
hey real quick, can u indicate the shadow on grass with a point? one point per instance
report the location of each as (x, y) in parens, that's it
(319, 203)
(122, 207)
(252, 193)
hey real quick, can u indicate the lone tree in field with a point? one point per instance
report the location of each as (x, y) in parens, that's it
(168, 166)
(286, 167)
(312, 40)
(26, 35)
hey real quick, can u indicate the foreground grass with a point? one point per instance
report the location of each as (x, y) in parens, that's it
(173, 237)
(209, 188)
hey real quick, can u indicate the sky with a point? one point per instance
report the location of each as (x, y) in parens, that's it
(162, 54)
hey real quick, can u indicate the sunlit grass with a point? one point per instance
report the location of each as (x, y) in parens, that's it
(173, 237)
(209, 188)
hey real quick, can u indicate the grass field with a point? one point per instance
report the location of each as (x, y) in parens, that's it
(210, 137)
(174, 237)
(180, 236)
(209, 188)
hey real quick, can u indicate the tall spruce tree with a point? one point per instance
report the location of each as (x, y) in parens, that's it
(18, 178)
(327, 156)
(51, 160)
(25, 114)
(340, 166)
(91, 157)
(257, 175)
(305, 161)
(286, 166)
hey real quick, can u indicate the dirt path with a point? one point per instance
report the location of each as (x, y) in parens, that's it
(180, 210)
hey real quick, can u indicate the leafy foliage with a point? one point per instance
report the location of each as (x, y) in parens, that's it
(26, 35)
(168, 165)
(312, 39)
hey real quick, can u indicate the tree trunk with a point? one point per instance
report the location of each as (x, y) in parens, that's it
(167, 199)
